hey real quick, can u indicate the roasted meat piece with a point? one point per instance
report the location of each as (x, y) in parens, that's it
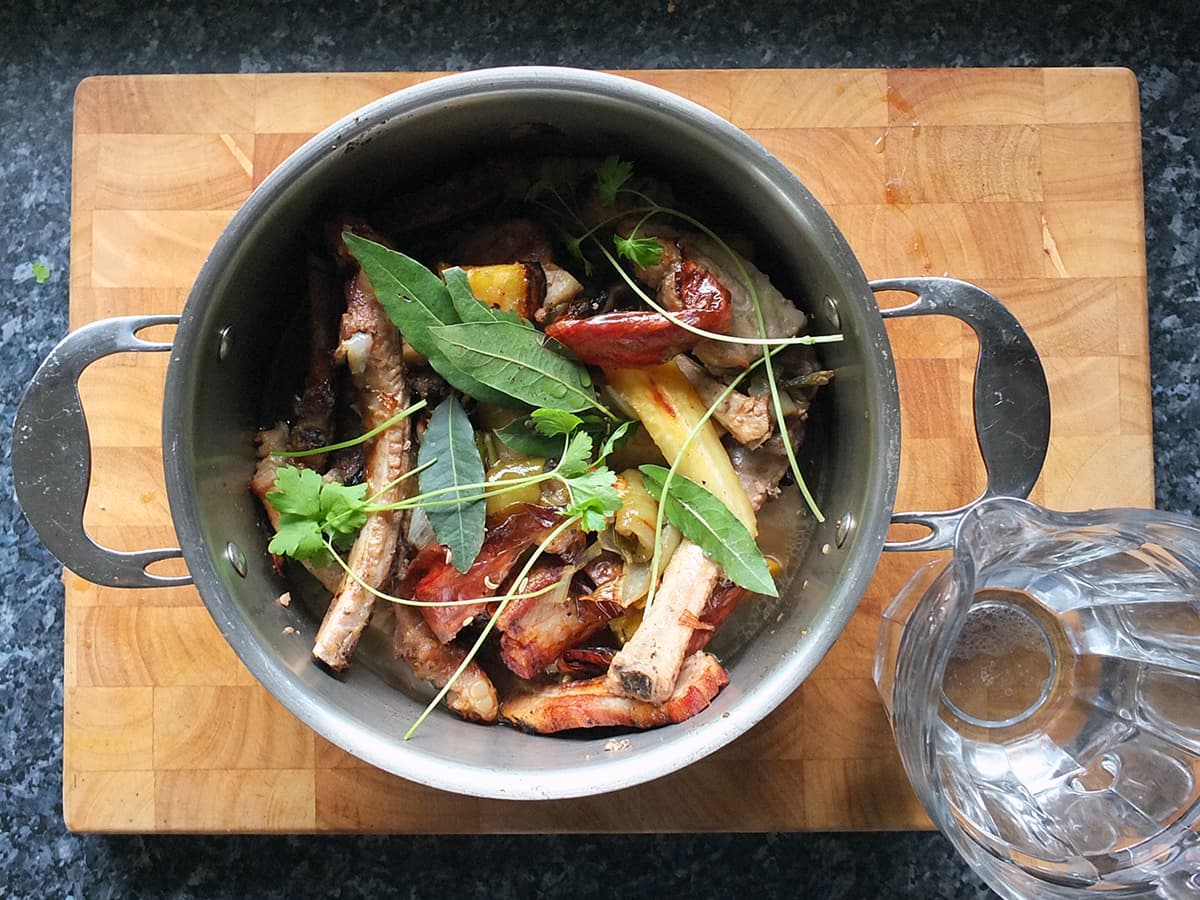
(536, 630)
(473, 697)
(592, 703)
(432, 578)
(378, 373)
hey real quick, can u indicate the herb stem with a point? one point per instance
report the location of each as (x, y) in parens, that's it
(406, 601)
(354, 442)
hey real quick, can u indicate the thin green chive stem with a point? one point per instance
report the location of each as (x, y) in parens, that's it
(406, 601)
(354, 442)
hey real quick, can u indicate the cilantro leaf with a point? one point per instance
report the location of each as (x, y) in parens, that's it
(639, 251)
(610, 175)
(576, 456)
(551, 422)
(41, 272)
(708, 523)
(619, 437)
(300, 538)
(310, 509)
(297, 492)
(575, 248)
(594, 497)
(342, 507)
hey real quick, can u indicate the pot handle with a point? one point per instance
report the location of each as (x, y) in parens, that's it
(1012, 401)
(52, 459)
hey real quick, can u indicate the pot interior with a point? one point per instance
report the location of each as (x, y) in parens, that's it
(250, 289)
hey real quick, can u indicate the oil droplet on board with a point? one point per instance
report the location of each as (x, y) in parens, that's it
(881, 142)
(897, 102)
(893, 192)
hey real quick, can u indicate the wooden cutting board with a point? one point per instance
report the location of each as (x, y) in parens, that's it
(1027, 181)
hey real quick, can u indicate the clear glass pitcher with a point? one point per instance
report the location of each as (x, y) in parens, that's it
(1044, 691)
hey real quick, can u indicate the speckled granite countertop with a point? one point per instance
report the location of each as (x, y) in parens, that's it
(49, 46)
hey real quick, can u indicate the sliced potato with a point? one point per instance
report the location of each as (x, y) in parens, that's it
(514, 287)
(669, 408)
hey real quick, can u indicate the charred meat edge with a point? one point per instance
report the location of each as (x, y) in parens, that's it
(593, 703)
(378, 375)
(536, 630)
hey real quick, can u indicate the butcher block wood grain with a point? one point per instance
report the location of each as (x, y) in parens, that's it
(1026, 181)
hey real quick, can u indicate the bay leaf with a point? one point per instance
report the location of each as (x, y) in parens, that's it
(707, 522)
(417, 301)
(449, 442)
(515, 360)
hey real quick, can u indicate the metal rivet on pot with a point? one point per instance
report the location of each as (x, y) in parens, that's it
(830, 308)
(236, 558)
(224, 342)
(842, 529)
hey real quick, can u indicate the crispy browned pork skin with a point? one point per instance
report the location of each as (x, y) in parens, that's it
(592, 703)
(472, 695)
(370, 344)
(536, 630)
(433, 579)
(719, 606)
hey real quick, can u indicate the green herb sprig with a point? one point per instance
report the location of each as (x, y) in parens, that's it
(611, 176)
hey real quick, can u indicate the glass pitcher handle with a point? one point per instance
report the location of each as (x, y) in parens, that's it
(1012, 401)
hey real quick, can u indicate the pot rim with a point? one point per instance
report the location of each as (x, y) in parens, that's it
(680, 745)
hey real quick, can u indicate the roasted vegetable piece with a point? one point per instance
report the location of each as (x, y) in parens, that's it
(669, 408)
(518, 288)
(645, 337)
